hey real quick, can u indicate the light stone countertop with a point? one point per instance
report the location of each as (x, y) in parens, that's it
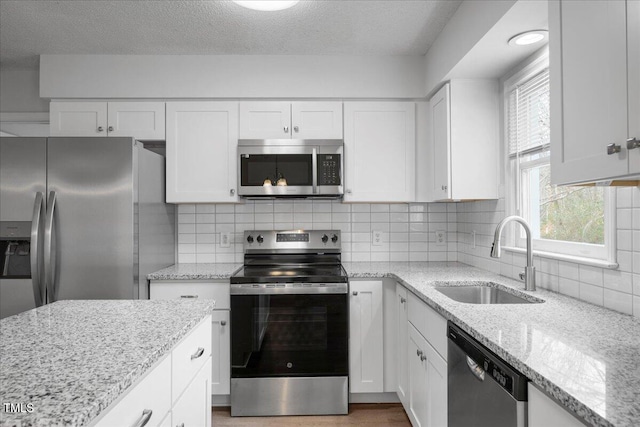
(585, 356)
(71, 359)
(195, 272)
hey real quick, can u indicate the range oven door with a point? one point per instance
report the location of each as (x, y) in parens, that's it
(294, 168)
(291, 335)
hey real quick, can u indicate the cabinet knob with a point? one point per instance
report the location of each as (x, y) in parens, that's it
(444, 187)
(144, 418)
(348, 191)
(232, 192)
(633, 143)
(223, 323)
(423, 357)
(613, 148)
(296, 129)
(419, 353)
(100, 128)
(286, 129)
(402, 300)
(110, 128)
(355, 293)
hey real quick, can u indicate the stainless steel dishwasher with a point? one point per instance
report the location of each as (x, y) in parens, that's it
(483, 390)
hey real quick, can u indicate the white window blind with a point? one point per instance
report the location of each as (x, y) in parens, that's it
(529, 116)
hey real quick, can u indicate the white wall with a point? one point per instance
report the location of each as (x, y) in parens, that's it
(231, 76)
(20, 92)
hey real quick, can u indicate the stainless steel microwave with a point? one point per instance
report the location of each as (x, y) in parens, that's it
(275, 168)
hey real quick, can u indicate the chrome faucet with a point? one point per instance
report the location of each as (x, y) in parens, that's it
(529, 275)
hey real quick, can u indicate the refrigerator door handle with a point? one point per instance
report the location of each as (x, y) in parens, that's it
(36, 258)
(49, 250)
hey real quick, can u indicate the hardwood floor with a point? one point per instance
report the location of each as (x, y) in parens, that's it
(360, 414)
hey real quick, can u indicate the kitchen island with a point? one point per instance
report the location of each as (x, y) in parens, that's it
(65, 363)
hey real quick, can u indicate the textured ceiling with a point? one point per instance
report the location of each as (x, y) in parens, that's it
(313, 27)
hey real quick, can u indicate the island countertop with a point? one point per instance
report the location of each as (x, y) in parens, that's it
(69, 360)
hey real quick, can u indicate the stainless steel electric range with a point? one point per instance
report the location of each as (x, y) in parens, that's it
(289, 325)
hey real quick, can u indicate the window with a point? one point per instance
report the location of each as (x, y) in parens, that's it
(567, 220)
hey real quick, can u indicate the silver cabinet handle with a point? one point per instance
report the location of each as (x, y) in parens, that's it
(348, 191)
(296, 129)
(633, 143)
(36, 258)
(613, 148)
(180, 425)
(223, 323)
(199, 352)
(355, 293)
(418, 352)
(144, 418)
(232, 192)
(50, 250)
(402, 300)
(444, 187)
(286, 129)
(110, 128)
(188, 296)
(100, 128)
(423, 357)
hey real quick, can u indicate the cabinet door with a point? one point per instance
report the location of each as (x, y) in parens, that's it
(265, 120)
(379, 139)
(418, 381)
(78, 118)
(366, 337)
(220, 353)
(141, 120)
(316, 120)
(441, 144)
(544, 412)
(193, 408)
(436, 368)
(202, 139)
(402, 332)
(588, 47)
(633, 62)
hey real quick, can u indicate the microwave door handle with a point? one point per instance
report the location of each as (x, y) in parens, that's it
(314, 169)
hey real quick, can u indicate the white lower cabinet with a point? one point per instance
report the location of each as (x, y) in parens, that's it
(176, 378)
(544, 412)
(402, 337)
(220, 327)
(366, 364)
(193, 407)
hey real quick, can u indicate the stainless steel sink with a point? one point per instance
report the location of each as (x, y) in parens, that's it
(483, 294)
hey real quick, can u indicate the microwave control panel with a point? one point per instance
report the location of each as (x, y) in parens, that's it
(329, 169)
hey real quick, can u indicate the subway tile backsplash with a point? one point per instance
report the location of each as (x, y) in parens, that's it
(408, 230)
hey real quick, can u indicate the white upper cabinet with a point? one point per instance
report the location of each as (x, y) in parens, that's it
(595, 90)
(141, 120)
(298, 120)
(464, 141)
(380, 146)
(202, 140)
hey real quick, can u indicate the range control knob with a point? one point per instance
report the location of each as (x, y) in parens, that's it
(260, 239)
(334, 238)
(325, 238)
(250, 238)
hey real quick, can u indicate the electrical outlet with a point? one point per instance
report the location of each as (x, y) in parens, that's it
(225, 239)
(376, 238)
(441, 238)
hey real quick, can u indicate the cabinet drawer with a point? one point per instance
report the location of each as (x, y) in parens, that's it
(153, 393)
(170, 289)
(189, 356)
(429, 323)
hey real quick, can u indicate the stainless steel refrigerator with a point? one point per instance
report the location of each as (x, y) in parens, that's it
(80, 218)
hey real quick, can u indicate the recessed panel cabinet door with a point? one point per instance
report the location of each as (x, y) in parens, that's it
(78, 118)
(379, 150)
(402, 336)
(265, 120)
(141, 120)
(366, 368)
(316, 120)
(589, 111)
(202, 139)
(221, 353)
(441, 144)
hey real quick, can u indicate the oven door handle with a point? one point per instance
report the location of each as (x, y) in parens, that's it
(288, 289)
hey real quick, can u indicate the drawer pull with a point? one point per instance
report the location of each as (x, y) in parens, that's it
(180, 425)
(188, 296)
(144, 419)
(223, 323)
(199, 352)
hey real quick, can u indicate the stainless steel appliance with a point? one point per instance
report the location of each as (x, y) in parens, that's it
(289, 325)
(80, 218)
(483, 390)
(290, 168)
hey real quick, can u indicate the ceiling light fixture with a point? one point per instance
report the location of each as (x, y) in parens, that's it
(528, 37)
(267, 5)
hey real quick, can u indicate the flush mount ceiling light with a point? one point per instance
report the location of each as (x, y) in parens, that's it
(267, 5)
(528, 37)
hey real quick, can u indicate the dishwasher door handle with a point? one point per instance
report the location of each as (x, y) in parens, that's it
(475, 369)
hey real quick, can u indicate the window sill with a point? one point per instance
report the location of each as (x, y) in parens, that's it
(611, 265)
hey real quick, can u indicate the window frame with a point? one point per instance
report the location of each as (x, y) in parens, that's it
(600, 255)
